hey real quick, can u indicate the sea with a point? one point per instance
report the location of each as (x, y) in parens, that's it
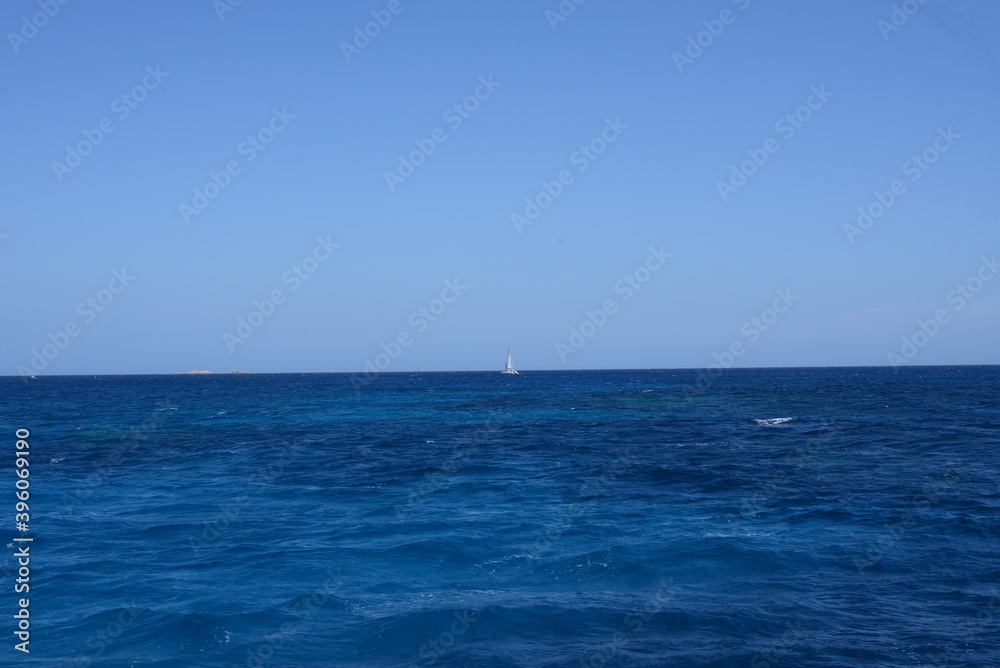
(756, 517)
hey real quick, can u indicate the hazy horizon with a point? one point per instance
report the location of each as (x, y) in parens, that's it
(709, 369)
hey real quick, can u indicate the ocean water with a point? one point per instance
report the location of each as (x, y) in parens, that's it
(584, 519)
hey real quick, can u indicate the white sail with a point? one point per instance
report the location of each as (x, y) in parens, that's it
(509, 368)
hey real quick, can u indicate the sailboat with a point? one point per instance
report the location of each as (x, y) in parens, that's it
(510, 365)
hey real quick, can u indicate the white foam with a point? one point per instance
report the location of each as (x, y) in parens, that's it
(771, 421)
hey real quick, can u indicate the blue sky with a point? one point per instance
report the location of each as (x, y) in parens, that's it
(265, 72)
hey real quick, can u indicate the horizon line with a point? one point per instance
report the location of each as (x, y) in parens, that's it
(385, 372)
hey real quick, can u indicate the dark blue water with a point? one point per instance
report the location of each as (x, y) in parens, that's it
(616, 518)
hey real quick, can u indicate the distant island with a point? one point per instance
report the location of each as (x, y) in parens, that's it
(184, 373)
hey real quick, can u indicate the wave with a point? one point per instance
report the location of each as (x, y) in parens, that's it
(773, 421)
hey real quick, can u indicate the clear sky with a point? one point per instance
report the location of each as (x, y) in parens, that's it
(309, 115)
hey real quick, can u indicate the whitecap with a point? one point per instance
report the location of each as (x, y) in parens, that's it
(771, 421)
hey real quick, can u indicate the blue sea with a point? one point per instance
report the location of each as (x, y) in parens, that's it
(759, 518)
